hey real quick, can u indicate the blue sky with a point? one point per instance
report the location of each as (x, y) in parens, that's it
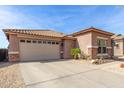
(66, 19)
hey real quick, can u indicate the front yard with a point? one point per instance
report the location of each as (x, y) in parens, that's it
(115, 68)
(71, 74)
(62, 74)
(10, 76)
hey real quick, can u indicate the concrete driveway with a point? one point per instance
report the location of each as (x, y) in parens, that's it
(68, 73)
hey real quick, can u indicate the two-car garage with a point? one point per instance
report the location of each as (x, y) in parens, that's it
(34, 44)
(39, 50)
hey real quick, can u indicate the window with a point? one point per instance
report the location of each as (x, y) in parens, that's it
(57, 43)
(22, 41)
(39, 42)
(34, 41)
(104, 50)
(53, 42)
(28, 41)
(102, 46)
(99, 49)
(49, 42)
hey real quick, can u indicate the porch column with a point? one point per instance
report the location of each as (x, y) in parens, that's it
(13, 51)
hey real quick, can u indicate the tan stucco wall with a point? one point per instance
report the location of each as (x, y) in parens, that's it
(87, 42)
(92, 52)
(68, 45)
(118, 51)
(13, 43)
(110, 52)
(83, 42)
(13, 51)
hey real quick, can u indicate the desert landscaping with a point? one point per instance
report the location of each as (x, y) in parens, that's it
(10, 76)
(61, 73)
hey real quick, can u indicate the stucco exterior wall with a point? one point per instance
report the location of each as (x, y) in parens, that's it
(13, 43)
(92, 52)
(118, 51)
(83, 42)
(87, 42)
(68, 45)
(13, 51)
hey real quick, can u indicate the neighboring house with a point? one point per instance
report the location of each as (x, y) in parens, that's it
(26, 44)
(118, 45)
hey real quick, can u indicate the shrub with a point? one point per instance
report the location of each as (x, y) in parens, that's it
(85, 56)
(75, 52)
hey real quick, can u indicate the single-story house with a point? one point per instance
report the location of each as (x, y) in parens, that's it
(31, 45)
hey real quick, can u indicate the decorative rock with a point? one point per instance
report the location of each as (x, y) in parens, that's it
(93, 61)
(122, 65)
(10, 76)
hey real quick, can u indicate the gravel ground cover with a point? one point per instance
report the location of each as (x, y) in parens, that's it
(10, 76)
(115, 68)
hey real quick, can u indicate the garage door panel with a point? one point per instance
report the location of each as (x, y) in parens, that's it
(32, 51)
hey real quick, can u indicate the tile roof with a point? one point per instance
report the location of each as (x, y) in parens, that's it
(92, 29)
(50, 33)
(117, 36)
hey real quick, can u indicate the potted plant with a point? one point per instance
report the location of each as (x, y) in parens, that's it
(75, 52)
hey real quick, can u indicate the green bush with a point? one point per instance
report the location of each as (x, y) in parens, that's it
(75, 52)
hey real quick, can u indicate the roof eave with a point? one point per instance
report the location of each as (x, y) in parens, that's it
(90, 30)
(7, 32)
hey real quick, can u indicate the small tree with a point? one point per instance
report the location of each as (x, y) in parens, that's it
(75, 52)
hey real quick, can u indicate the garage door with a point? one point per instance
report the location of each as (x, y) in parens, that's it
(38, 50)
